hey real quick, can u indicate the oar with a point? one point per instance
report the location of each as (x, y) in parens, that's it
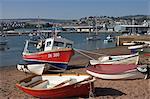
(64, 82)
(89, 78)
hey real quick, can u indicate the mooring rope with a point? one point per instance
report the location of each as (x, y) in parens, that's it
(84, 54)
(89, 52)
(91, 94)
(147, 73)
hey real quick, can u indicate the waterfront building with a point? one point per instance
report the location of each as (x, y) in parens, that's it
(132, 28)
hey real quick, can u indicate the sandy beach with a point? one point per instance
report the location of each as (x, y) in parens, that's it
(104, 89)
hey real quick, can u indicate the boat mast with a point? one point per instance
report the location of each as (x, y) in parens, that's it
(96, 24)
(38, 23)
(38, 27)
(1, 28)
(133, 29)
(55, 30)
(89, 28)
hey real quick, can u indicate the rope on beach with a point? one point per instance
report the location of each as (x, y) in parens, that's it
(91, 94)
(89, 52)
(84, 54)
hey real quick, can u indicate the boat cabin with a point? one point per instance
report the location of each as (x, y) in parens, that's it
(57, 43)
(52, 43)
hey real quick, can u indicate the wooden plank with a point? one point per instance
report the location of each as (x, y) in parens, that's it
(36, 83)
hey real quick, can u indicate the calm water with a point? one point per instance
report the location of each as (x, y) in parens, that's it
(12, 56)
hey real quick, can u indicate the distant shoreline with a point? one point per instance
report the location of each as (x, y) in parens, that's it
(27, 33)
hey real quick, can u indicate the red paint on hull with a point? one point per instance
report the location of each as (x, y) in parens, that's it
(75, 90)
(147, 54)
(111, 68)
(55, 57)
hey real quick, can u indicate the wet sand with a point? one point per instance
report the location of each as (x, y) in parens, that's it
(104, 89)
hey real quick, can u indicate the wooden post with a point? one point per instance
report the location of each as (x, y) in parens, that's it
(118, 41)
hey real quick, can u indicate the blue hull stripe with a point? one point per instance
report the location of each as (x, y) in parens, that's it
(55, 65)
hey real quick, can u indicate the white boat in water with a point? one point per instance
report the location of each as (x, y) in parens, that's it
(32, 68)
(95, 36)
(109, 38)
(120, 59)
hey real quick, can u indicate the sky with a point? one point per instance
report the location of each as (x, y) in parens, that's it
(71, 9)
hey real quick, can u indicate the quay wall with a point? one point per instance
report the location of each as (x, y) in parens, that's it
(125, 39)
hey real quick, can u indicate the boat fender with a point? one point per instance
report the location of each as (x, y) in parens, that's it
(26, 67)
(23, 68)
(144, 70)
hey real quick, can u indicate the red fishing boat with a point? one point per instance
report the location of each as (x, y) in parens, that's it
(118, 71)
(57, 85)
(56, 51)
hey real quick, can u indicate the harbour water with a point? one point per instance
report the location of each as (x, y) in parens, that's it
(13, 55)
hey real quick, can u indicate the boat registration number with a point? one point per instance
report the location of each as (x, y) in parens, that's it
(52, 55)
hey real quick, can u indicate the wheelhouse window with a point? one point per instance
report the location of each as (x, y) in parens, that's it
(32, 47)
(58, 44)
(48, 44)
(68, 45)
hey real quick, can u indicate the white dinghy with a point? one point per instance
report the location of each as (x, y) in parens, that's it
(119, 59)
(33, 68)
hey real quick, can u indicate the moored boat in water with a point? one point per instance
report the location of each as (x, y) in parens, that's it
(57, 85)
(95, 36)
(109, 38)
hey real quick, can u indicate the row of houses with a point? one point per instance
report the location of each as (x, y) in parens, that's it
(8, 25)
(87, 24)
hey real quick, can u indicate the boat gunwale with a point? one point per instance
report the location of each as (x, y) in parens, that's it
(54, 50)
(91, 79)
(93, 69)
(124, 73)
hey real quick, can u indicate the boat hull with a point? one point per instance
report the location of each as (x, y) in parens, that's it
(62, 57)
(147, 54)
(81, 89)
(51, 56)
(146, 50)
(136, 47)
(69, 91)
(32, 68)
(129, 44)
(122, 59)
(118, 71)
(61, 66)
(129, 75)
(93, 38)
